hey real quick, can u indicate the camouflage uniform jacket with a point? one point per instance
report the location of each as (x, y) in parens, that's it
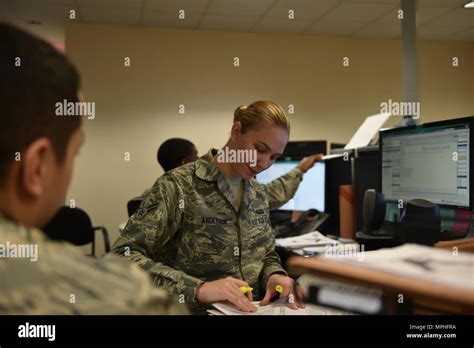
(188, 229)
(58, 279)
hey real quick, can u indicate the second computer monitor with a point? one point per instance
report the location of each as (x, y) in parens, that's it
(432, 162)
(310, 193)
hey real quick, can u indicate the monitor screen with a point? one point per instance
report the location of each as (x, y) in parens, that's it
(431, 162)
(310, 193)
(297, 150)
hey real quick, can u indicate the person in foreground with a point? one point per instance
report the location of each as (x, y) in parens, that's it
(37, 151)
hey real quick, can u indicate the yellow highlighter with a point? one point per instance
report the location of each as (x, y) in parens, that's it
(279, 288)
(246, 289)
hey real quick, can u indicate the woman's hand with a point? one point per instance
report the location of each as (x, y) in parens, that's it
(226, 289)
(294, 292)
(308, 162)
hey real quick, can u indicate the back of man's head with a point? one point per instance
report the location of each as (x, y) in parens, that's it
(34, 77)
(175, 152)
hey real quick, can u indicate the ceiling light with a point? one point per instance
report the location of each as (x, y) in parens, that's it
(469, 4)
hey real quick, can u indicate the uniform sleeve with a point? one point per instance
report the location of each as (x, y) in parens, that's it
(153, 226)
(281, 190)
(140, 297)
(271, 265)
(64, 281)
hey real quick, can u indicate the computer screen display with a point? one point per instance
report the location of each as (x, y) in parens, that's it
(310, 193)
(431, 162)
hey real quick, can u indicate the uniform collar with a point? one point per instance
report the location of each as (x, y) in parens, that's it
(14, 230)
(207, 169)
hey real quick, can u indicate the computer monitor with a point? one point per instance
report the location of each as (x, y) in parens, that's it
(310, 193)
(432, 161)
(297, 150)
(336, 146)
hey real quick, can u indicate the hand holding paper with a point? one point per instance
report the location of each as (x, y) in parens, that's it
(286, 285)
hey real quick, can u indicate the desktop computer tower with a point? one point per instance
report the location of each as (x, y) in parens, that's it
(338, 172)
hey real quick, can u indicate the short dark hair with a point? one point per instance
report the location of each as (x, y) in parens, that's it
(34, 76)
(173, 151)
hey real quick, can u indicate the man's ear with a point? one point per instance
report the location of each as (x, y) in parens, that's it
(35, 166)
(236, 130)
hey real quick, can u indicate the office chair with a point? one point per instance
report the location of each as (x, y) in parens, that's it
(74, 225)
(133, 205)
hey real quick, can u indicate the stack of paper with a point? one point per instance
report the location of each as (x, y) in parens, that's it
(446, 267)
(279, 307)
(311, 239)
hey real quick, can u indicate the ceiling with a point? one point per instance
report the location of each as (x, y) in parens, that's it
(437, 19)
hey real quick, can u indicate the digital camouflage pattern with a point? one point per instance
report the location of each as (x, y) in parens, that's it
(64, 281)
(188, 229)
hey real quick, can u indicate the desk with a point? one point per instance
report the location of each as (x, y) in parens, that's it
(426, 297)
(465, 244)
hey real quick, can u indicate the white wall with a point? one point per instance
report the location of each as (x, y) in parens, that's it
(137, 106)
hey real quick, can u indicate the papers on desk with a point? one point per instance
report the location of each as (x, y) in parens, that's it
(312, 239)
(423, 263)
(363, 136)
(279, 307)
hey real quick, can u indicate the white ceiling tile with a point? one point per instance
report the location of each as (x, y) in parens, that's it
(442, 3)
(51, 14)
(371, 2)
(427, 14)
(239, 7)
(281, 25)
(379, 30)
(170, 19)
(221, 22)
(424, 15)
(53, 32)
(302, 8)
(437, 19)
(54, 14)
(391, 17)
(464, 17)
(334, 27)
(111, 4)
(176, 5)
(24, 4)
(114, 15)
(434, 31)
(358, 12)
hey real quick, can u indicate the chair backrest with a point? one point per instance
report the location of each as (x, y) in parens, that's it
(74, 225)
(133, 205)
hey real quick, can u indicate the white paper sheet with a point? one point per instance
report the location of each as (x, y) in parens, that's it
(306, 240)
(367, 131)
(328, 157)
(424, 263)
(279, 307)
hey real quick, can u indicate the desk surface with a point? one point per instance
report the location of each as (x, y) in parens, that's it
(456, 300)
(466, 244)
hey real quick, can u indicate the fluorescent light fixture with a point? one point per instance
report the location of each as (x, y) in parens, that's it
(469, 4)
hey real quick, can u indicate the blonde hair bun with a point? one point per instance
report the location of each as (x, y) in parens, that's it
(261, 110)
